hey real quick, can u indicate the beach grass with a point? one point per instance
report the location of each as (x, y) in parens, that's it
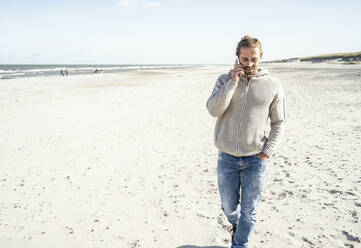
(346, 57)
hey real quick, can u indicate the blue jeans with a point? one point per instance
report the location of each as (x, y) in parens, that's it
(245, 174)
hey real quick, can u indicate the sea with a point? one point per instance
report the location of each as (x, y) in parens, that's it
(21, 71)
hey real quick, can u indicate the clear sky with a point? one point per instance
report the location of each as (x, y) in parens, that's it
(172, 31)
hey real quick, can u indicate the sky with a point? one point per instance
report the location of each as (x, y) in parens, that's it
(172, 31)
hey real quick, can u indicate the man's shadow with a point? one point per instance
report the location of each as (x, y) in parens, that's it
(194, 246)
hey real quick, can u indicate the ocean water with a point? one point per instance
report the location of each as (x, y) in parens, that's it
(18, 71)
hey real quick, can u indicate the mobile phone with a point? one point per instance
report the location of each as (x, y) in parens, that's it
(239, 62)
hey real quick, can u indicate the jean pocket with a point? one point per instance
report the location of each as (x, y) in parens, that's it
(262, 161)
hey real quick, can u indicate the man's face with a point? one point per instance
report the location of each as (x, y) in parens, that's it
(250, 58)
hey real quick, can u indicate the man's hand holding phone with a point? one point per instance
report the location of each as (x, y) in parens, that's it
(237, 71)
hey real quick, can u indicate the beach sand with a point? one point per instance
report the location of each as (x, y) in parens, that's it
(128, 160)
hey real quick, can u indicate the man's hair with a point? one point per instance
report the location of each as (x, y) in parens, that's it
(248, 41)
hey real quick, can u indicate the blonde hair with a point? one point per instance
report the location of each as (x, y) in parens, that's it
(248, 41)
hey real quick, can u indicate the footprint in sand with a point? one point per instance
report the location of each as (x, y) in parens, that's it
(351, 237)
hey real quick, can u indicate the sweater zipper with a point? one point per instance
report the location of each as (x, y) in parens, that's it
(242, 109)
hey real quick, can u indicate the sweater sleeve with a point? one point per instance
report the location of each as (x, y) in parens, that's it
(221, 96)
(278, 119)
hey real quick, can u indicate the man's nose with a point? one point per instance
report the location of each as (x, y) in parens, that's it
(249, 63)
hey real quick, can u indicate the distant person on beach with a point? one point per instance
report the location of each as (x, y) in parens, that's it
(247, 102)
(61, 72)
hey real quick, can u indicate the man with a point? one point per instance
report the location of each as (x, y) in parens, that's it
(247, 102)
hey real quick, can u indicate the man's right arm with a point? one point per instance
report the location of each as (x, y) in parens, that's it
(221, 96)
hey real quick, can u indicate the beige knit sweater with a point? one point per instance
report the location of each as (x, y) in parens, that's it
(245, 112)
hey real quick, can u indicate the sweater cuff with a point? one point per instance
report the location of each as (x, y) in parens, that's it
(268, 151)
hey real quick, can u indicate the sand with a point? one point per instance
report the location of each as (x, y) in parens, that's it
(128, 160)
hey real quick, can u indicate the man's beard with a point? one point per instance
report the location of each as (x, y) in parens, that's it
(250, 71)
